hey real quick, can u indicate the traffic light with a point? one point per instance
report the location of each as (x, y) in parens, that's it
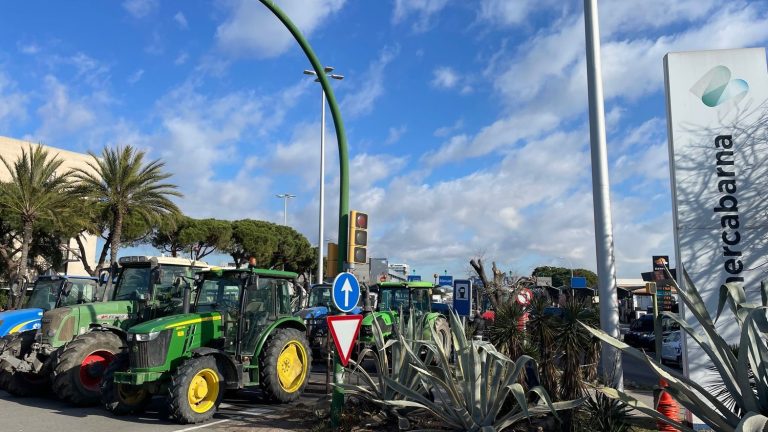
(358, 238)
(332, 261)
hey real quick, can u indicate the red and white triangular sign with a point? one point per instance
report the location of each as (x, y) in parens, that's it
(344, 330)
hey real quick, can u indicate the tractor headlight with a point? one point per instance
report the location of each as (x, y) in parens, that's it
(146, 337)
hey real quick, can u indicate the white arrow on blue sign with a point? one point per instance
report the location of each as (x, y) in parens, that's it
(346, 292)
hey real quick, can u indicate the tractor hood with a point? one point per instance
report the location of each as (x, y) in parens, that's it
(19, 320)
(312, 312)
(175, 321)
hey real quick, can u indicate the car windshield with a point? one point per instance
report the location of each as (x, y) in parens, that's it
(44, 294)
(220, 293)
(320, 296)
(81, 291)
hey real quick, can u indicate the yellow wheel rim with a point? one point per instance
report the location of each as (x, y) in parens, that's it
(203, 391)
(292, 366)
(131, 395)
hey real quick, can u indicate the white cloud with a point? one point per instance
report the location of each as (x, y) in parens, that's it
(251, 30)
(425, 10)
(447, 130)
(140, 8)
(508, 13)
(61, 114)
(13, 103)
(136, 76)
(28, 48)
(181, 58)
(367, 90)
(444, 77)
(181, 20)
(394, 134)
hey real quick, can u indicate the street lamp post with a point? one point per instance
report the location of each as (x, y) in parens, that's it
(285, 197)
(321, 216)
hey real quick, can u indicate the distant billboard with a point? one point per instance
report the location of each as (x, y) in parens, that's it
(718, 153)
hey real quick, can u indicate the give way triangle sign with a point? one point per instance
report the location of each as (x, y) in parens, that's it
(344, 330)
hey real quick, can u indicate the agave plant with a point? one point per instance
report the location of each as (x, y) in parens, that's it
(391, 359)
(479, 392)
(749, 407)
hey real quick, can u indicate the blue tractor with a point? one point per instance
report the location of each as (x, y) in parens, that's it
(49, 292)
(314, 317)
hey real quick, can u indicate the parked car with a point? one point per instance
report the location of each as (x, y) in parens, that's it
(672, 348)
(641, 333)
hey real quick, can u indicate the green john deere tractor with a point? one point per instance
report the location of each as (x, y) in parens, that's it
(242, 333)
(75, 344)
(397, 297)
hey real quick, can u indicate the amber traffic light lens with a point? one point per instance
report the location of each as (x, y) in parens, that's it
(361, 238)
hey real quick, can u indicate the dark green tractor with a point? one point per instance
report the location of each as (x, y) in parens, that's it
(397, 297)
(241, 334)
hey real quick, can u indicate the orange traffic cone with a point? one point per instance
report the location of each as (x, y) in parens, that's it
(667, 406)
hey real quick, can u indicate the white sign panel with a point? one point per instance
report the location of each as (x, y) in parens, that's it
(718, 151)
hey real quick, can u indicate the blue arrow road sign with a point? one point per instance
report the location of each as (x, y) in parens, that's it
(346, 292)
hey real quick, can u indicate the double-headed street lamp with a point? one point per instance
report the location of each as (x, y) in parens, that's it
(321, 221)
(285, 197)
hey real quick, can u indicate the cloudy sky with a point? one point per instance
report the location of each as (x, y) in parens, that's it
(467, 121)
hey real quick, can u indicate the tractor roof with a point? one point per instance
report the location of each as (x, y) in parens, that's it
(144, 259)
(412, 285)
(68, 277)
(218, 271)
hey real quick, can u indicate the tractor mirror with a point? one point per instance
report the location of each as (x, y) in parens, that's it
(104, 277)
(66, 289)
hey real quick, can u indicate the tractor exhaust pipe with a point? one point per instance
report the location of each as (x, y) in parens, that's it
(186, 297)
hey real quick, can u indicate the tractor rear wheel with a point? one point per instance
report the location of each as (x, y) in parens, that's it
(284, 365)
(443, 333)
(122, 399)
(18, 383)
(81, 366)
(196, 390)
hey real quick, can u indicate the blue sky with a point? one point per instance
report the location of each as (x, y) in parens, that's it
(466, 120)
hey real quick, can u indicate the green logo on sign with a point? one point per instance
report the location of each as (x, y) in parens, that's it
(716, 87)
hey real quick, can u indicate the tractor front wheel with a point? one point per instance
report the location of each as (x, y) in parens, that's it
(284, 365)
(122, 399)
(196, 390)
(81, 366)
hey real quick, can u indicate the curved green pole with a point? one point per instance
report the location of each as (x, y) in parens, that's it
(338, 125)
(337, 403)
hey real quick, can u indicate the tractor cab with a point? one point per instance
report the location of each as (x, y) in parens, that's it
(396, 296)
(249, 301)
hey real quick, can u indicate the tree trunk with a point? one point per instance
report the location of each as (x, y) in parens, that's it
(116, 233)
(26, 241)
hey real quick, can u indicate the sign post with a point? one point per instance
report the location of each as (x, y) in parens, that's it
(462, 297)
(345, 294)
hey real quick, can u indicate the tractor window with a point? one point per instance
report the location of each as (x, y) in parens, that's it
(168, 275)
(394, 299)
(83, 291)
(258, 309)
(320, 296)
(133, 282)
(421, 300)
(219, 294)
(44, 294)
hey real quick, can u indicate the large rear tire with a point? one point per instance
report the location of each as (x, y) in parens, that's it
(23, 384)
(284, 365)
(122, 399)
(443, 333)
(196, 390)
(78, 373)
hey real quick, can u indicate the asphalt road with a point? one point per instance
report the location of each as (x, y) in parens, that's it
(245, 409)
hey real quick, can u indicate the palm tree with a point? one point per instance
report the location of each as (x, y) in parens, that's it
(36, 192)
(124, 184)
